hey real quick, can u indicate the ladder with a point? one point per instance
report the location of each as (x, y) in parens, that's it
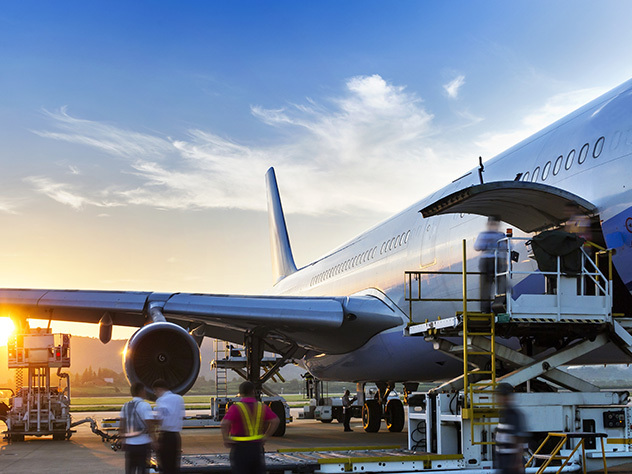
(479, 402)
(559, 440)
(221, 372)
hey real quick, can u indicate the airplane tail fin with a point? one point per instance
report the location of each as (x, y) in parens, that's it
(282, 259)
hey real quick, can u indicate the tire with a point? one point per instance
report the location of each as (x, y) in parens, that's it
(394, 415)
(327, 421)
(279, 410)
(17, 438)
(371, 416)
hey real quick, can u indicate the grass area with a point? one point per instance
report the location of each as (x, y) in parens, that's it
(191, 402)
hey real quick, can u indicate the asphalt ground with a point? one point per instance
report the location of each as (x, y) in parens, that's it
(85, 453)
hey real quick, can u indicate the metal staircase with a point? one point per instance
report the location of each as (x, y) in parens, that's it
(222, 351)
(580, 307)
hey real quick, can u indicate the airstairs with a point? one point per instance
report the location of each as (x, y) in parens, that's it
(460, 415)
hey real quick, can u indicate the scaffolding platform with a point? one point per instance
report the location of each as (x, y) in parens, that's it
(524, 342)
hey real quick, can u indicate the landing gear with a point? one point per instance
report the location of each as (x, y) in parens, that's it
(371, 416)
(279, 410)
(394, 415)
(391, 409)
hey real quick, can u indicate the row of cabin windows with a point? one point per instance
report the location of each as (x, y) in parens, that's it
(555, 167)
(359, 259)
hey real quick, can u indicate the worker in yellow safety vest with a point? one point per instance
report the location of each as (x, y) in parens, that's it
(245, 427)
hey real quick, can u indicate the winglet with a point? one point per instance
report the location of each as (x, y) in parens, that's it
(282, 259)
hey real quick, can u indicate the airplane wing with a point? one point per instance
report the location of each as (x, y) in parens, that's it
(323, 324)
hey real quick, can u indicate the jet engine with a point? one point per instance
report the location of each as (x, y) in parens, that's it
(162, 350)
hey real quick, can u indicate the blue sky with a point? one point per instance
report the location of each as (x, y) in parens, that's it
(135, 135)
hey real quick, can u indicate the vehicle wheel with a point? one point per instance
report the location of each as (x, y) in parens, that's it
(279, 410)
(327, 421)
(371, 416)
(394, 415)
(59, 436)
(17, 438)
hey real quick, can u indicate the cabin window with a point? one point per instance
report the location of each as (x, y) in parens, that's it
(583, 153)
(545, 171)
(558, 164)
(526, 176)
(406, 238)
(598, 147)
(536, 174)
(569, 160)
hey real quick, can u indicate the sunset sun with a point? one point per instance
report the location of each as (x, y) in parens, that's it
(6, 328)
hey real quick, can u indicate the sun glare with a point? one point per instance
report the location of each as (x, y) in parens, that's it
(6, 328)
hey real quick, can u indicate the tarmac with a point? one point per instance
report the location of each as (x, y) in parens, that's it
(86, 453)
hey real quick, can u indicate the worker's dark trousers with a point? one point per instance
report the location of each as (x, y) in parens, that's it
(246, 457)
(347, 419)
(169, 451)
(136, 457)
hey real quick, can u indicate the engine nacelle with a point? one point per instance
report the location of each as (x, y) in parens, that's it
(162, 350)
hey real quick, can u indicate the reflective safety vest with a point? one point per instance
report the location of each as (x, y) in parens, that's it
(253, 425)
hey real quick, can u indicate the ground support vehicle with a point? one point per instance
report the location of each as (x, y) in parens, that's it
(248, 363)
(39, 409)
(459, 417)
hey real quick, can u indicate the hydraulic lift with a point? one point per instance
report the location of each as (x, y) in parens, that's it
(459, 417)
(40, 409)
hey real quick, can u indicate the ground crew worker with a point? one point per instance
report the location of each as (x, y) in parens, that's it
(510, 435)
(245, 428)
(135, 430)
(170, 413)
(487, 243)
(346, 408)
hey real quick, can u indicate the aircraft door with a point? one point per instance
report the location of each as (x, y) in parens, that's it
(429, 243)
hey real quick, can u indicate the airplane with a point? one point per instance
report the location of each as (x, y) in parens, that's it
(343, 315)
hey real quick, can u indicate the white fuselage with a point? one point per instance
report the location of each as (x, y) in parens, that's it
(588, 153)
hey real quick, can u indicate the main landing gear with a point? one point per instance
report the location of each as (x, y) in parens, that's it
(390, 409)
(254, 349)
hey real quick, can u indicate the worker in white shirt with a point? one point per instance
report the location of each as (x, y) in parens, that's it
(169, 413)
(135, 429)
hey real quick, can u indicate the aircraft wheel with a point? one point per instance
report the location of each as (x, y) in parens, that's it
(371, 416)
(279, 410)
(394, 415)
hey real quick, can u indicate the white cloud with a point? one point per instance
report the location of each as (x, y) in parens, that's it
(491, 144)
(63, 193)
(452, 88)
(355, 151)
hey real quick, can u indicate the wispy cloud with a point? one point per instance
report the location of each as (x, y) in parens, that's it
(452, 88)
(554, 109)
(63, 193)
(373, 147)
(347, 153)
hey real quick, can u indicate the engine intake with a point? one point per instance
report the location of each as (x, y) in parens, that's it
(162, 350)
